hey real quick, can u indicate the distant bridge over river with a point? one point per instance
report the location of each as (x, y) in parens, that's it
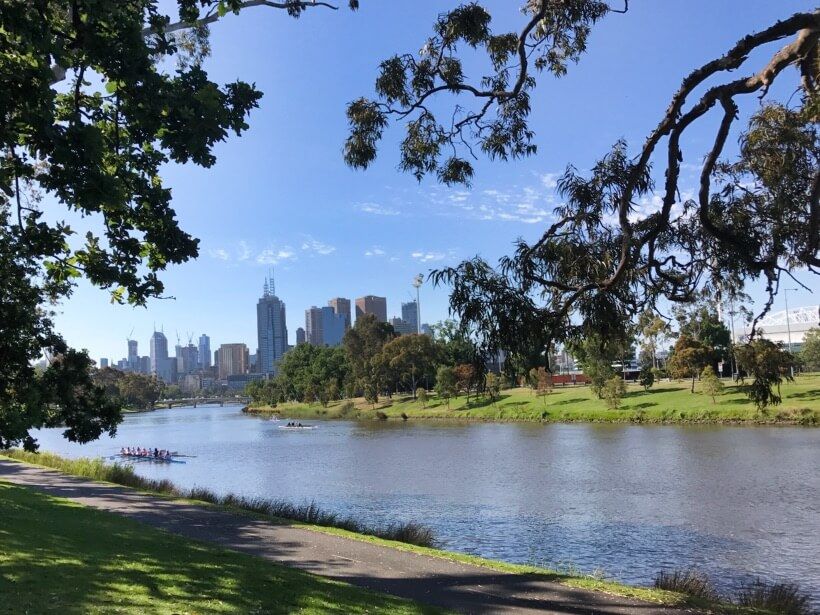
(201, 401)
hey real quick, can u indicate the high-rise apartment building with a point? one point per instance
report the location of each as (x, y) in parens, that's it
(301, 337)
(204, 351)
(313, 326)
(333, 326)
(233, 360)
(341, 306)
(370, 304)
(187, 359)
(271, 329)
(410, 314)
(401, 326)
(103, 363)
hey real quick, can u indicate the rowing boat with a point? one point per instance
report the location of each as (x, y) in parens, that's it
(146, 458)
(298, 427)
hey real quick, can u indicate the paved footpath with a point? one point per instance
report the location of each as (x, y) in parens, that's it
(426, 579)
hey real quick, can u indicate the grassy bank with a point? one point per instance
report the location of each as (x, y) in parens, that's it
(665, 403)
(58, 556)
(113, 473)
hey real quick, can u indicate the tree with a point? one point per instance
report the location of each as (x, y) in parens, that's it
(454, 346)
(410, 357)
(755, 214)
(363, 346)
(646, 377)
(541, 381)
(614, 389)
(768, 365)
(446, 386)
(810, 353)
(702, 323)
(492, 385)
(689, 357)
(421, 395)
(712, 385)
(465, 375)
(654, 330)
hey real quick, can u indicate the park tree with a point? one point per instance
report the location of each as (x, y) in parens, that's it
(646, 378)
(421, 395)
(541, 382)
(712, 385)
(363, 346)
(768, 365)
(446, 383)
(653, 330)
(492, 386)
(701, 322)
(411, 358)
(466, 378)
(613, 391)
(810, 352)
(689, 357)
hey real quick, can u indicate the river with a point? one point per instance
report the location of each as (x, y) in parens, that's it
(627, 501)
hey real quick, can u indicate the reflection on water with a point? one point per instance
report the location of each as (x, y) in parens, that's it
(628, 500)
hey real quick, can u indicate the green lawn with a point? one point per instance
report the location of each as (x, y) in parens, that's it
(666, 402)
(57, 556)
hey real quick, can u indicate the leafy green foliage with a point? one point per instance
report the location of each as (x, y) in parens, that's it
(712, 385)
(131, 390)
(646, 377)
(768, 365)
(613, 391)
(689, 357)
(810, 352)
(446, 384)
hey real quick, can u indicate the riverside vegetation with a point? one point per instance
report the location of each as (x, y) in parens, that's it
(220, 580)
(667, 403)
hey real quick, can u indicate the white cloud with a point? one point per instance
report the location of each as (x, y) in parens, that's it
(375, 251)
(244, 251)
(274, 256)
(377, 209)
(313, 245)
(219, 254)
(550, 180)
(423, 256)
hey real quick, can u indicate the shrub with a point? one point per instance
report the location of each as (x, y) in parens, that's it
(403, 416)
(421, 395)
(689, 582)
(614, 389)
(785, 598)
(381, 415)
(347, 408)
(712, 385)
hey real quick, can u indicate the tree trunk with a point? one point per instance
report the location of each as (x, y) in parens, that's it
(693, 383)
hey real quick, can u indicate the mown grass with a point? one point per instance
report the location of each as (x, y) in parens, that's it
(57, 556)
(278, 510)
(665, 403)
(92, 469)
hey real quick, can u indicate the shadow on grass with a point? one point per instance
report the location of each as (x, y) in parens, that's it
(646, 404)
(67, 558)
(811, 394)
(573, 400)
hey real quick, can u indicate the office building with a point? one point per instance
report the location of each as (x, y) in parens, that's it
(426, 329)
(233, 360)
(162, 366)
(334, 326)
(410, 314)
(145, 365)
(372, 305)
(133, 356)
(187, 359)
(341, 306)
(103, 363)
(271, 328)
(204, 351)
(313, 326)
(401, 326)
(301, 337)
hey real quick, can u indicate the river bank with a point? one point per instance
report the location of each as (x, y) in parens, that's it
(667, 403)
(588, 593)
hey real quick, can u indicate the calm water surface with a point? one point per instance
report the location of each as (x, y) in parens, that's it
(625, 500)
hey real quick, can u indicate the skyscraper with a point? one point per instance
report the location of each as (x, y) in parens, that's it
(204, 351)
(161, 366)
(103, 363)
(271, 328)
(313, 326)
(187, 359)
(333, 327)
(233, 360)
(301, 338)
(370, 304)
(410, 315)
(133, 356)
(341, 306)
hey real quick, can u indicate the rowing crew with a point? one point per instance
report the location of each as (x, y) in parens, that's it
(292, 424)
(136, 451)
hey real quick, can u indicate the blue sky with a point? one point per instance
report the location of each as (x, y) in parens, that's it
(280, 196)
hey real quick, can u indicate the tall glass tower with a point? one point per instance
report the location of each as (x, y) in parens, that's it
(271, 328)
(204, 351)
